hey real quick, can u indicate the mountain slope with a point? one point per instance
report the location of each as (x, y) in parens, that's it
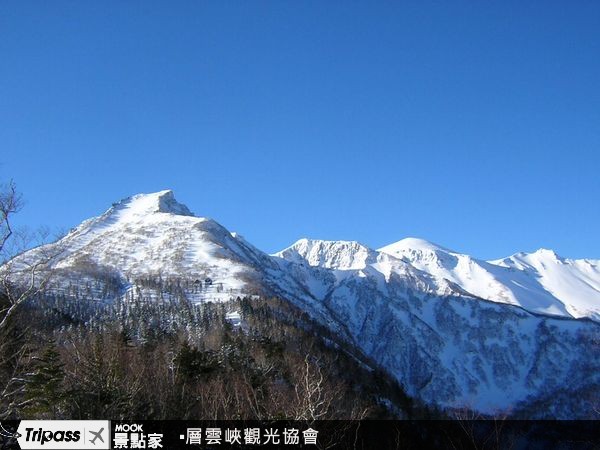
(445, 345)
(154, 235)
(575, 283)
(540, 282)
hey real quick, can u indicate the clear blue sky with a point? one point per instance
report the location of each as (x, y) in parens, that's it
(475, 125)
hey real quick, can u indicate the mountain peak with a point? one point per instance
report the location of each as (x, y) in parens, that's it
(522, 258)
(412, 243)
(341, 255)
(546, 252)
(156, 202)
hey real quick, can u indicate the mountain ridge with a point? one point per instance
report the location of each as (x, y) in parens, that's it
(406, 308)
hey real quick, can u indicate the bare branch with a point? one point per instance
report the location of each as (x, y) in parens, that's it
(10, 203)
(22, 277)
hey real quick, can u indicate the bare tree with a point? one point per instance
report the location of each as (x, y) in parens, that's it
(478, 433)
(313, 394)
(10, 203)
(21, 278)
(24, 279)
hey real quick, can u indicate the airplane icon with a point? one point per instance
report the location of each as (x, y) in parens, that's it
(97, 435)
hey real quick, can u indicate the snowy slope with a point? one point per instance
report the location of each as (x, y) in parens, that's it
(345, 258)
(154, 235)
(574, 282)
(445, 345)
(341, 255)
(540, 282)
(453, 330)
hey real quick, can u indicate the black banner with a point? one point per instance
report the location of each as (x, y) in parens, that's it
(449, 434)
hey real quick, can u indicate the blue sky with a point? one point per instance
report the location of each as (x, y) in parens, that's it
(475, 125)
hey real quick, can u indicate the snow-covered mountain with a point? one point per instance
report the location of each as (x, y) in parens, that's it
(153, 235)
(540, 282)
(453, 330)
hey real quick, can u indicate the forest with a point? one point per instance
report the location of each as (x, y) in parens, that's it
(159, 360)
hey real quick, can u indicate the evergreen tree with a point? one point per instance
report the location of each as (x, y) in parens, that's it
(44, 389)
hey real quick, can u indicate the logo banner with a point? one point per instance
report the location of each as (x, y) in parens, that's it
(64, 434)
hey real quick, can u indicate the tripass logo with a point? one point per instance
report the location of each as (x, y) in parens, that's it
(43, 436)
(64, 434)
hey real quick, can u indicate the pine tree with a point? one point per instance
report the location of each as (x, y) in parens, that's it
(44, 388)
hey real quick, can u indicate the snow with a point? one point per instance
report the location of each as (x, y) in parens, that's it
(234, 318)
(573, 283)
(540, 282)
(153, 234)
(412, 244)
(341, 255)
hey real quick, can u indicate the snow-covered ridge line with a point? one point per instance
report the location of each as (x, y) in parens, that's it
(154, 232)
(540, 282)
(162, 201)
